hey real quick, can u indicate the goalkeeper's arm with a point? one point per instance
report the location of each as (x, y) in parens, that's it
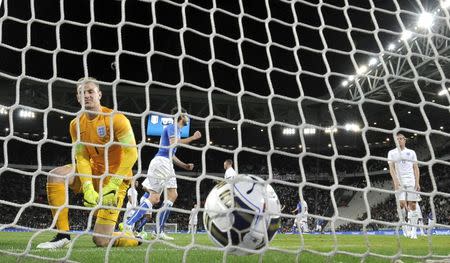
(83, 165)
(127, 160)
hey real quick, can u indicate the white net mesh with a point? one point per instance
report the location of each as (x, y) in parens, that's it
(306, 94)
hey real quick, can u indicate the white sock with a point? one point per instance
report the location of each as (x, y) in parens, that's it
(413, 217)
(403, 221)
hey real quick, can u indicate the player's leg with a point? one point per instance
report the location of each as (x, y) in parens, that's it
(106, 222)
(298, 225)
(56, 195)
(194, 228)
(153, 185)
(403, 212)
(305, 226)
(420, 222)
(152, 198)
(145, 219)
(164, 213)
(413, 216)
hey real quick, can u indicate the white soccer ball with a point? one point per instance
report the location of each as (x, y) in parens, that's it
(243, 213)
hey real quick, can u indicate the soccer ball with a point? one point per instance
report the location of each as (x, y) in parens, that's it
(231, 214)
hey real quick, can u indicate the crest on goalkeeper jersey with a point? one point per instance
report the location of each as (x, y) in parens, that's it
(101, 131)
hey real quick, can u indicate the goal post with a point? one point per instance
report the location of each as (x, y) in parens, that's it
(168, 227)
(307, 94)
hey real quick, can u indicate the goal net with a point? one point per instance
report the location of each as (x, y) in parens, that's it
(307, 95)
(169, 228)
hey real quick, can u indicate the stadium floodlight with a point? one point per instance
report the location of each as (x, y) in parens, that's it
(351, 78)
(3, 111)
(445, 3)
(26, 114)
(309, 131)
(442, 92)
(406, 35)
(442, 127)
(362, 70)
(352, 127)
(288, 131)
(330, 129)
(425, 20)
(373, 61)
(344, 83)
(391, 46)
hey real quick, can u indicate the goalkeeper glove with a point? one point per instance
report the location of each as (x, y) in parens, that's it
(110, 192)
(90, 196)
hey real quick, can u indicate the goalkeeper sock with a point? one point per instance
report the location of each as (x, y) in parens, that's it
(141, 224)
(138, 214)
(56, 195)
(123, 241)
(164, 214)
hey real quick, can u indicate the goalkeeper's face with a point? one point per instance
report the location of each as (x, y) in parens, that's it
(89, 94)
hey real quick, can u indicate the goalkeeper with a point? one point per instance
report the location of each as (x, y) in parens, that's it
(97, 128)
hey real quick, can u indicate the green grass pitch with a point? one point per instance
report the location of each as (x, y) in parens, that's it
(295, 248)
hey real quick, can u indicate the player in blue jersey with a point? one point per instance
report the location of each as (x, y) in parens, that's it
(161, 173)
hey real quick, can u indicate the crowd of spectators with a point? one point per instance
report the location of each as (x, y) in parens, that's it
(30, 190)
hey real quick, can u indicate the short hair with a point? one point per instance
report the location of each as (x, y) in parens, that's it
(229, 161)
(175, 111)
(400, 134)
(88, 80)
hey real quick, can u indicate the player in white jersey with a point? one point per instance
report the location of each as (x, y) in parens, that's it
(405, 175)
(132, 195)
(229, 170)
(319, 223)
(302, 216)
(161, 173)
(193, 220)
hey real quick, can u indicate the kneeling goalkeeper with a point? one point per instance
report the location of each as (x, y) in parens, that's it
(104, 148)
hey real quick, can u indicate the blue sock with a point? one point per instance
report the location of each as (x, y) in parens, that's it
(139, 213)
(141, 224)
(164, 215)
(144, 196)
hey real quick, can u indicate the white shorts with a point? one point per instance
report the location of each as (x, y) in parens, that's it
(193, 222)
(407, 195)
(160, 175)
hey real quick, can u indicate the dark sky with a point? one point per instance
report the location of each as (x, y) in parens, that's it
(213, 44)
(140, 39)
